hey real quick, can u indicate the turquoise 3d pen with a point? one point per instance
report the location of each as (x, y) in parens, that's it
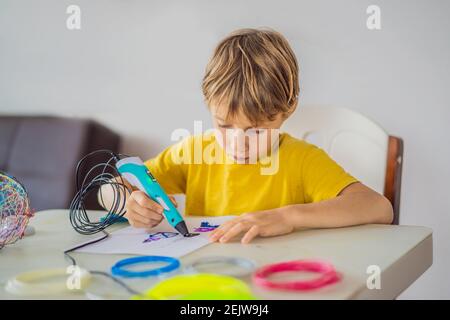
(137, 174)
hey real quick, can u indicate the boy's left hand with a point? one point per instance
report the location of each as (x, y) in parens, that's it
(262, 223)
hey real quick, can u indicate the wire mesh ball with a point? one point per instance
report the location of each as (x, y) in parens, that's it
(15, 210)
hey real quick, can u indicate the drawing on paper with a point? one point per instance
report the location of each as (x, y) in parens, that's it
(152, 237)
(161, 240)
(205, 227)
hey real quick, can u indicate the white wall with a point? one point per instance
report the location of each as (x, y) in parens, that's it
(137, 67)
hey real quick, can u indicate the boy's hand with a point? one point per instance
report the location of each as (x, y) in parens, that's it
(262, 223)
(143, 212)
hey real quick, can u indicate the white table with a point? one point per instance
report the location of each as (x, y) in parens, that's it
(403, 253)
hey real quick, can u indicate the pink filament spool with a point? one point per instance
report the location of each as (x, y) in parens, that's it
(328, 275)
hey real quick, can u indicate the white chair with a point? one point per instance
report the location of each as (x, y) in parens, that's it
(358, 144)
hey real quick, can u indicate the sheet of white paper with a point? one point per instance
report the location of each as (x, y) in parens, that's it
(161, 240)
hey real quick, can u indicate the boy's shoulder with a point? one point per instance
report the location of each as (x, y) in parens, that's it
(296, 146)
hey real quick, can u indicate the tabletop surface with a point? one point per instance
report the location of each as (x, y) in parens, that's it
(402, 254)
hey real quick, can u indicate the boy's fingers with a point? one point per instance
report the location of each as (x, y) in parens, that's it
(157, 220)
(213, 236)
(137, 224)
(144, 212)
(144, 201)
(140, 221)
(212, 233)
(251, 234)
(234, 231)
(136, 218)
(217, 233)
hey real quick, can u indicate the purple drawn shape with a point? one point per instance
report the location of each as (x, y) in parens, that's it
(159, 235)
(205, 227)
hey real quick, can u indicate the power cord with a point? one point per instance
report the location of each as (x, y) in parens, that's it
(85, 185)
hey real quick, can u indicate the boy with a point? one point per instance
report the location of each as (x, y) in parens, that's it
(251, 85)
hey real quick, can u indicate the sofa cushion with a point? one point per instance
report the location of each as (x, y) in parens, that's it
(42, 153)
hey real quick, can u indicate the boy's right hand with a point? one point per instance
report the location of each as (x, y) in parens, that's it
(143, 212)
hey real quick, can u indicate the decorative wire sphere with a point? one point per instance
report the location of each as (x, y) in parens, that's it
(15, 209)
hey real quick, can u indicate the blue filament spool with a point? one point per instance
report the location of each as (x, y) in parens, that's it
(119, 268)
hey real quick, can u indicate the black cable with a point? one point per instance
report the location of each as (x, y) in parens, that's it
(89, 183)
(66, 253)
(103, 273)
(79, 218)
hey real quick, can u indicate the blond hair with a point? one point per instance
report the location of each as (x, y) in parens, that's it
(254, 71)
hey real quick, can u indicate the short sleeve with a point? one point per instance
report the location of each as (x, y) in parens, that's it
(169, 168)
(322, 177)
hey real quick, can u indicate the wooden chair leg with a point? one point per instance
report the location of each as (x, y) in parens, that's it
(393, 181)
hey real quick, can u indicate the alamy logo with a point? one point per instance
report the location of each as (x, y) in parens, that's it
(374, 19)
(74, 279)
(374, 278)
(251, 146)
(73, 21)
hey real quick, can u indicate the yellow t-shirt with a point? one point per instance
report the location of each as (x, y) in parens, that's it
(305, 174)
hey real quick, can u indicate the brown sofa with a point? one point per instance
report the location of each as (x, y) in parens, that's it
(42, 153)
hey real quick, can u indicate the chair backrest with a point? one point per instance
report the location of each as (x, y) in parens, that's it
(354, 141)
(42, 153)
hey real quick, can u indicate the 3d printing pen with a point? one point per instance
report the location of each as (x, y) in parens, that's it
(137, 174)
